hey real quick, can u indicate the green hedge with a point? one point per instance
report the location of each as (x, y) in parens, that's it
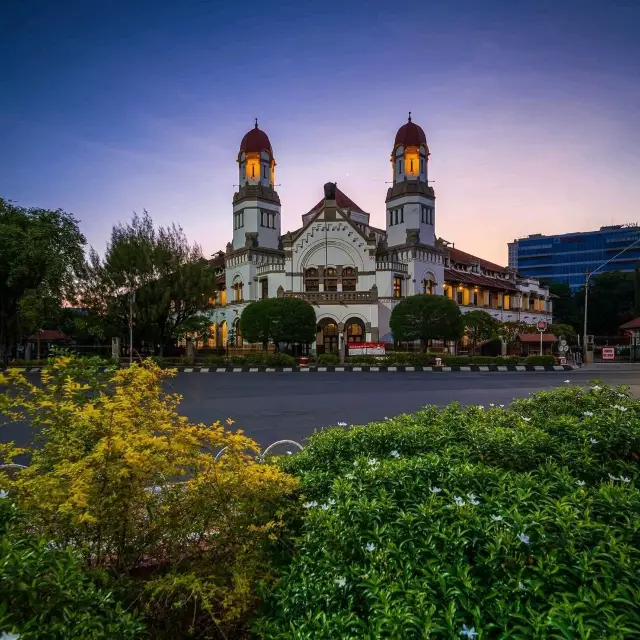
(328, 358)
(540, 360)
(518, 522)
(45, 593)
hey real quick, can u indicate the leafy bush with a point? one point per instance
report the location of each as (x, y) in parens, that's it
(215, 361)
(45, 592)
(494, 360)
(122, 477)
(540, 360)
(280, 360)
(328, 358)
(27, 363)
(519, 522)
(363, 359)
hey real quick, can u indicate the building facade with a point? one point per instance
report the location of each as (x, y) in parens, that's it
(351, 271)
(567, 258)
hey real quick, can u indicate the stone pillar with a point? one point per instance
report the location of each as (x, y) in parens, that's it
(115, 348)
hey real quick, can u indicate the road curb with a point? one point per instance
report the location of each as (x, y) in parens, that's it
(454, 368)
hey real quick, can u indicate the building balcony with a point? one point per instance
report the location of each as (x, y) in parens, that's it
(332, 297)
(399, 267)
(273, 267)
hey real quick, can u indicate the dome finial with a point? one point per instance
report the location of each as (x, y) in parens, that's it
(256, 123)
(409, 116)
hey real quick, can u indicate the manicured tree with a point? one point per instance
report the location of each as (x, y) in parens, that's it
(255, 322)
(294, 321)
(426, 317)
(480, 326)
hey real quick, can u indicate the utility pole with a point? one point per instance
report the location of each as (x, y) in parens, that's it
(586, 295)
(131, 296)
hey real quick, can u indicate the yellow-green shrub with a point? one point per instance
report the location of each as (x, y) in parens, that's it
(135, 486)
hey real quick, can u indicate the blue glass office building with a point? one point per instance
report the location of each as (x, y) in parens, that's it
(567, 257)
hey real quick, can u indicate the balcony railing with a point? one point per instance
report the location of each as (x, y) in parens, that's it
(272, 267)
(332, 297)
(400, 267)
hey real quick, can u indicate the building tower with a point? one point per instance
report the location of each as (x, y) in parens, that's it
(256, 204)
(410, 201)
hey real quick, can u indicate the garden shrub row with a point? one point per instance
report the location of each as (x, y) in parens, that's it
(476, 522)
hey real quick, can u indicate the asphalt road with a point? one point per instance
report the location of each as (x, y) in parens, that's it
(275, 406)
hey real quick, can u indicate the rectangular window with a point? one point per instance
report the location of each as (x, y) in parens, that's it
(460, 296)
(390, 217)
(273, 220)
(265, 288)
(395, 216)
(397, 287)
(402, 215)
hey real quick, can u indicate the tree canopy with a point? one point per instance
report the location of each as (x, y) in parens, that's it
(279, 320)
(41, 259)
(480, 326)
(426, 317)
(156, 271)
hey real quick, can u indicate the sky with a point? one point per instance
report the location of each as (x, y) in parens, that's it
(531, 109)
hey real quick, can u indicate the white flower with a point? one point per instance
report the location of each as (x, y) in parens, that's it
(331, 501)
(596, 387)
(3, 494)
(9, 636)
(473, 500)
(621, 395)
(342, 424)
(459, 501)
(625, 479)
(310, 505)
(480, 406)
(496, 518)
(612, 477)
(341, 582)
(386, 418)
(372, 462)
(324, 507)
(370, 547)
(523, 538)
(355, 463)
(593, 441)
(580, 483)
(469, 633)
(349, 476)
(526, 419)
(193, 537)
(289, 453)
(588, 414)
(521, 585)
(395, 454)
(567, 381)
(491, 404)
(501, 406)
(436, 490)
(619, 408)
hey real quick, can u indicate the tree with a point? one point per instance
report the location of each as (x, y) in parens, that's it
(41, 259)
(565, 310)
(480, 326)
(154, 275)
(426, 317)
(509, 331)
(279, 320)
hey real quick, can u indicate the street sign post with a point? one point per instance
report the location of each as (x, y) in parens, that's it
(542, 327)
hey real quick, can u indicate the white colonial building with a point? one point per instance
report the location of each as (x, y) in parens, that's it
(352, 272)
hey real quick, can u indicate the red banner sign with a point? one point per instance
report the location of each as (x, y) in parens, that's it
(608, 353)
(366, 348)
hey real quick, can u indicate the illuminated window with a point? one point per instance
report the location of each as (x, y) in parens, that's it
(222, 296)
(311, 280)
(237, 332)
(397, 287)
(331, 280)
(355, 332)
(237, 291)
(428, 286)
(349, 279)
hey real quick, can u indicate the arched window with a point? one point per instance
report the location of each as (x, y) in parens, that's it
(237, 331)
(355, 332)
(349, 279)
(237, 290)
(331, 279)
(428, 286)
(311, 280)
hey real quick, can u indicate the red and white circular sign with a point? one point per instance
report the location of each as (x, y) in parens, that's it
(542, 325)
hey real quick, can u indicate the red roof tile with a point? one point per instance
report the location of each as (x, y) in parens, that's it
(410, 135)
(450, 275)
(256, 140)
(535, 337)
(343, 201)
(632, 324)
(462, 256)
(49, 335)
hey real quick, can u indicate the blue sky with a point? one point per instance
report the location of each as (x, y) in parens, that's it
(531, 109)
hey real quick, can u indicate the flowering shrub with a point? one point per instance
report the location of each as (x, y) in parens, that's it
(45, 592)
(477, 522)
(135, 487)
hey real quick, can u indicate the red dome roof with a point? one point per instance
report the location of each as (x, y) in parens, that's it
(255, 141)
(410, 135)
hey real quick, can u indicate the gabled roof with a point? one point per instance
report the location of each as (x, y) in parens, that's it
(462, 256)
(49, 335)
(478, 280)
(534, 338)
(343, 201)
(632, 324)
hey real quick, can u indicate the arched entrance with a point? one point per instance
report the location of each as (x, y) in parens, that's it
(328, 336)
(354, 330)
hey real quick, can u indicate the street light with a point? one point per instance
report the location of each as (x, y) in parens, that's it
(586, 294)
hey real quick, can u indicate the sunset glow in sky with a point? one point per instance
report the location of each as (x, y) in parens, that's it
(531, 109)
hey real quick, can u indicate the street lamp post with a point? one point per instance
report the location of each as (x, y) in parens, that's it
(586, 295)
